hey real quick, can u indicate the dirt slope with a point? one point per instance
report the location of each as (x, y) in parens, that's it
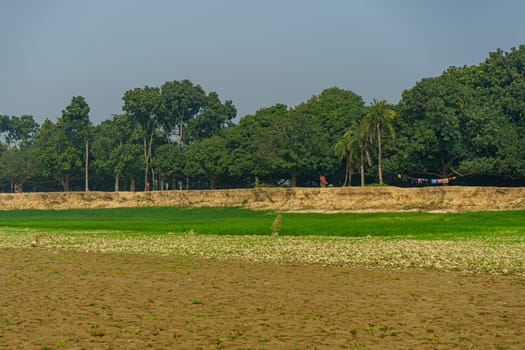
(292, 199)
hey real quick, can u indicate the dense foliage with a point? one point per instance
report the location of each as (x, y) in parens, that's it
(468, 122)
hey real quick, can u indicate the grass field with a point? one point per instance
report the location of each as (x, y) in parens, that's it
(491, 242)
(239, 221)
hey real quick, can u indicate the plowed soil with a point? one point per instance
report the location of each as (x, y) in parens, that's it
(55, 299)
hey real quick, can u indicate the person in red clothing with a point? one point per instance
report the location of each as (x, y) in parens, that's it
(322, 179)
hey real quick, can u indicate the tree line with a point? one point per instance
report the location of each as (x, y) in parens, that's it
(467, 122)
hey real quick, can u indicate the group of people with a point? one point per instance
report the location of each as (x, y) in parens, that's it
(165, 186)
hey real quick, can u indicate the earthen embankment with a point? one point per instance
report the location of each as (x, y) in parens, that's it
(348, 199)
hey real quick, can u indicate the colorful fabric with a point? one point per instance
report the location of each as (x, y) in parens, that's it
(420, 181)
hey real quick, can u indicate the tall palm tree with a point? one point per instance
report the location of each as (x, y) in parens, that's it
(377, 116)
(364, 150)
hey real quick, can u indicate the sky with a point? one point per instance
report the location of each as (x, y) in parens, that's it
(254, 52)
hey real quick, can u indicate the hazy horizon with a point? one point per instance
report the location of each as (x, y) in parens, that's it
(253, 52)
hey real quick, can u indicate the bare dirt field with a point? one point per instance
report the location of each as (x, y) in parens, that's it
(57, 299)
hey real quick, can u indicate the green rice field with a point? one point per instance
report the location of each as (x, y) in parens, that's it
(239, 221)
(474, 242)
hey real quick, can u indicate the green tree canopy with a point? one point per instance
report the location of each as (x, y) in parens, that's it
(181, 102)
(335, 110)
(169, 162)
(75, 122)
(18, 131)
(117, 148)
(59, 158)
(206, 158)
(252, 147)
(469, 120)
(143, 106)
(213, 117)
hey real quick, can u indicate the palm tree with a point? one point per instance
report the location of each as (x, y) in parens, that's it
(378, 115)
(364, 150)
(348, 148)
(354, 146)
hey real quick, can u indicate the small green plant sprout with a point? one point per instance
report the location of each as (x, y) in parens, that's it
(276, 225)
(3, 324)
(196, 302)
(369, 329)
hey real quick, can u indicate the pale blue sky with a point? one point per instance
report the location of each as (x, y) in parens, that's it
(256, 53)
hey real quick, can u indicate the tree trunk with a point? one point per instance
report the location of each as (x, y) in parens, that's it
(117, 182)
(153, 180)
(181, 131)
(213, 183)
(294, 178)
(379, 160)
(257, 181)
(362, 168)
(132, 185)
(444, 168)
(146, 158)
(347, 169)
(87, 166)
(65, 183)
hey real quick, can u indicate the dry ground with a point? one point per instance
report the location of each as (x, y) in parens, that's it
(336, 199)
(58, 299)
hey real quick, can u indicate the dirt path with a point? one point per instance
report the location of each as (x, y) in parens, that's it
(69, 300)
